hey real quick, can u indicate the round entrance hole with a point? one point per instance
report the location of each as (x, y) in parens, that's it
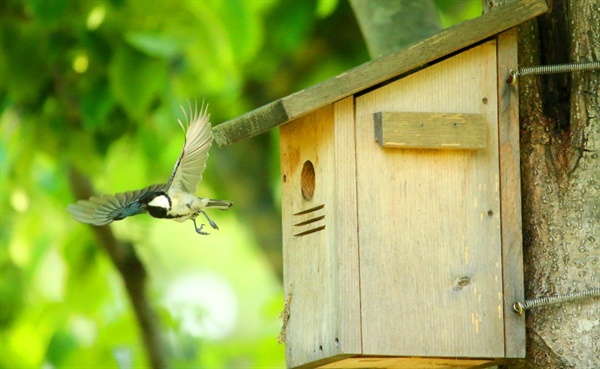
(307, 180)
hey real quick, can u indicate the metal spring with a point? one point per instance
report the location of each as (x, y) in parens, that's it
(519, 307)
(549, 69)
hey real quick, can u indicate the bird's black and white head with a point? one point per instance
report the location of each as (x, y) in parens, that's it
(157, 204)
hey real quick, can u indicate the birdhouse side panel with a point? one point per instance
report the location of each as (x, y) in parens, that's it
(510, 189)
(323, 297)
(429, 220)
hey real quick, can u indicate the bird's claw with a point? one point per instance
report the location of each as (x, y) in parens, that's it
(210, 221)
(199, 229)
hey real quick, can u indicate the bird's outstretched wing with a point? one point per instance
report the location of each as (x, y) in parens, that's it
(101, 210)
(192, 161)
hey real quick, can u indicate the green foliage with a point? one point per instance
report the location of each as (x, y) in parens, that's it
(452, 11)
(136, 79)
(96, 85)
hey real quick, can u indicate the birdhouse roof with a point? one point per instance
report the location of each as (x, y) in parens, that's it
(364, 76)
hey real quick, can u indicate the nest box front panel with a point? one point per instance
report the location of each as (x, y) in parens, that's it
(429, 211)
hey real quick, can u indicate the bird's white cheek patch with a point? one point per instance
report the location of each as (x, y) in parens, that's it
(160, 202)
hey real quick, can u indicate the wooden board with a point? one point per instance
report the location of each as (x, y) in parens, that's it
(345, 227)
(407, 363)
(320, 237)
(510, 192)
(425, 130)
(429, 221)
(378, 70)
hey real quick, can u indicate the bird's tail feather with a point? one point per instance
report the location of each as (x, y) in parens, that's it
(219, 204)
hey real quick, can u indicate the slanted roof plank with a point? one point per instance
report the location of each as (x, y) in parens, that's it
(378, 70)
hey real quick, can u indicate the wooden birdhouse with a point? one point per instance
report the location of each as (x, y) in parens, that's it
(401, 204)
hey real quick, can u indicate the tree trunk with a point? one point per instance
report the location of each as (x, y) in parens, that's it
(560, 171)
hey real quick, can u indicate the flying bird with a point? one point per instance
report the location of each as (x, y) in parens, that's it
(172, 200)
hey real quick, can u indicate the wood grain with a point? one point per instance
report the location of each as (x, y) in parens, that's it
(377, 71)
(346, 227)
(510, 192)
(429, 221)
(407, 363)
(320, 244)
(418, 130)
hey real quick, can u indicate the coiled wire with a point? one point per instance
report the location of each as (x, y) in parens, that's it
(550, 69)
(519, 307)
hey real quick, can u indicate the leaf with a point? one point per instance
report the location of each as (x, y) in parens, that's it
(11, 292)
(155, 44)
(47, 11)
(326, 7)
(240, 26)
(24, 62)
(136, 79)
(96, 106)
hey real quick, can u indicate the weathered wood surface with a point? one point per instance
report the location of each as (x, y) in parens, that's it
(510, 192)
(344, 227)
(320, 245)
(407, 363)
(422, 130)
(376, 71)
(429, 221)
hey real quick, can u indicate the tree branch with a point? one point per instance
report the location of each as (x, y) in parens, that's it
(133, 273)
(389, 25)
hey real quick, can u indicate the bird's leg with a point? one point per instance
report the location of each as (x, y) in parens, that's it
(199, 229)
(210, 221)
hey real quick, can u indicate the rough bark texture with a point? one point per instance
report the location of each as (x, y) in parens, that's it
(560, 171)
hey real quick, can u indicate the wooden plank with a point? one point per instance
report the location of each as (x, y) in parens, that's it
(420, 130)
(429, 221)
(510, 192)
(320, 248)
(374, 362)
(378, 70)
(345, 228)
(308, 278)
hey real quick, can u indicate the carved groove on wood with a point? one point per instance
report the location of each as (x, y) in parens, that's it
(309, 221)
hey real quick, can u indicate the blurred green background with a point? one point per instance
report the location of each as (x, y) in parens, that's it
(95, 87)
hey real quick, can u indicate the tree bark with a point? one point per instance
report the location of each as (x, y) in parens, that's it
(560, 138)
(560, 172)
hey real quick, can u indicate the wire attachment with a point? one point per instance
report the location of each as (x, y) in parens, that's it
(520, 307)
(550, 69)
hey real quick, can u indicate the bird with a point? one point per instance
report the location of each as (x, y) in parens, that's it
(172, 200)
